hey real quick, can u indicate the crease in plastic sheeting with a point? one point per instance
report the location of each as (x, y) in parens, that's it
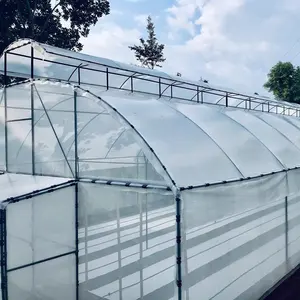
(221, 111)
(258, 115)
(210, 137)
(151, 156)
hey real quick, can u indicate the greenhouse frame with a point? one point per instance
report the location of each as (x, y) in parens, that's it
(123, 183)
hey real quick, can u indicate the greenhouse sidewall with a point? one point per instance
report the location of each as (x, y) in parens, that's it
(39, 245)
(240, 239)
(127, 242)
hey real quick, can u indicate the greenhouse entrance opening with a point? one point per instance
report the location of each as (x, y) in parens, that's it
(122, 183)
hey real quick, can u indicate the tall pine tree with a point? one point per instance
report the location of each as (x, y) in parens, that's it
(149, 53)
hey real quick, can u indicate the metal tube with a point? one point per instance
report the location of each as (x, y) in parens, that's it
(178, 247)
(141, 247)
(146, 175)
(5, 111)
(286, 231)
(159, 87)
(4, 286)
(119, 252)
(32, 113)
(75, 135)
(77, 240)
(79, 75)
(107, 79)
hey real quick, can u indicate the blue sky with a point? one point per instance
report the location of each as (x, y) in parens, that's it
(232, 43)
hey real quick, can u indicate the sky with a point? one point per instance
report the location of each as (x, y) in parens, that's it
(230, 43)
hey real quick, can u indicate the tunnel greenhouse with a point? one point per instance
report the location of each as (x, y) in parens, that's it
(123, 183)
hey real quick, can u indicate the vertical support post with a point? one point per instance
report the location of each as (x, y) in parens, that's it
(4, 286)
(197, 94)
(77, 240)
(119, 252)
(159, 87)
(202, 97)
(178, 245)
(262, 107)
(32, 112)
(286, 232)
(141, 248)
(131, 84)
(79, 76)
(171, 91)
(268, 106)
(5, 111)
(226, 99)
(86, 239)
(146, 195)
(107, 79)
(75, 135)
(250, 103)
(276, 109)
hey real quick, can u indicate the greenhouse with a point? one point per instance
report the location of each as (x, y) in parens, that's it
(123, 183)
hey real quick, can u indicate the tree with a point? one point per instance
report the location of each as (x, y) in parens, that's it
(41, 21)
(284, 82)
(150, 52)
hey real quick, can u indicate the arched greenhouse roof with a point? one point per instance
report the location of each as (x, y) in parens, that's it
(187, 143)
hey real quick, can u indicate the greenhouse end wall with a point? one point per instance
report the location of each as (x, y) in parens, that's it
(38, 252)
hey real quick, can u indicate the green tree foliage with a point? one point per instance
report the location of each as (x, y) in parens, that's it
(59, 23)
(149, 53)
(284, 82)
(41, 21)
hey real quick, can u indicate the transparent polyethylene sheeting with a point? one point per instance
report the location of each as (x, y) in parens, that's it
(195, 144)
(127, 243)
(234, 237)
(41, 244)
(14, 185)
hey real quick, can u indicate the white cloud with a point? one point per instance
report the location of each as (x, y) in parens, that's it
(231, 43)
(110, 40)
(238, 40)
(141, 20)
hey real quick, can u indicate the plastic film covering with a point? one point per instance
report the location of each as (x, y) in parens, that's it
(240, 238)
(242, 147)
(41, 246)
(55, 63)
(105, 148)
(188, 153)
(127, 243)
(293, 220)
(285, 151)
(127, 136)
(16, 185)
